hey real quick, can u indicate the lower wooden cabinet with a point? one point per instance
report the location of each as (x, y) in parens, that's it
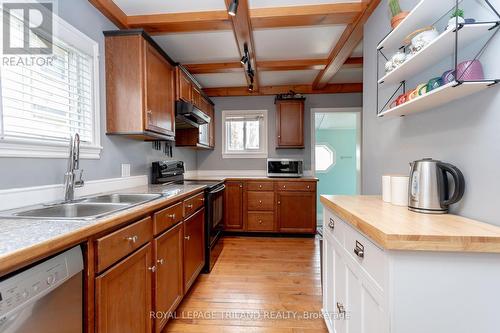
(168, 278)
(296, 212)
(194, 249)
(233, 206)
(123, 295)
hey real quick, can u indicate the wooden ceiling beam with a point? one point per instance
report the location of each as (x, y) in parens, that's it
(109, 9)
(243, 34)
(292, 16)
(337, 88)
(181, 22)
(351, 37)
(269, 65)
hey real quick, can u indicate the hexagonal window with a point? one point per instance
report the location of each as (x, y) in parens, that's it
(325, 157)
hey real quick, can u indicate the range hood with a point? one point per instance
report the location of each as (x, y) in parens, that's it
(188, 116)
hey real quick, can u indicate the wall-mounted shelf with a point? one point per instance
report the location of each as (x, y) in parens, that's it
(437, 50)
(425, 13)
(440, 96)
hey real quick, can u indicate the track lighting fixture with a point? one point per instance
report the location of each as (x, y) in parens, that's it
(250, 87)
(233, 8)
(244, 59)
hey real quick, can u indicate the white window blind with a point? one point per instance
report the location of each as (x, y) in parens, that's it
(245, 134)
(47, 103)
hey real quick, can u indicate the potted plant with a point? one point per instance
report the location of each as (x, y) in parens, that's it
(457, 15)
(397, 14)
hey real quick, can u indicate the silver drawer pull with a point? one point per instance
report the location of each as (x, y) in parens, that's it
(260, 186)
(260, 201)
(160, 261)
(331, 224)
(189, 206)
(152, 269)
(172, 216)
(359, 250)
(132, 239)
(187, 237)
(340, 308)
(260, 221)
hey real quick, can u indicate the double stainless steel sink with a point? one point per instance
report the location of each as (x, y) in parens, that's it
(87, 208)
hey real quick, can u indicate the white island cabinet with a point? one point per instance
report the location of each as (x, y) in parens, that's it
(383, 283)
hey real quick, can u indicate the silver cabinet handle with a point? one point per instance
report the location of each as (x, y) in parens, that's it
(260, 186)
(359, 250)
(260, 202)
(172, 216)
(132, 239)
(260, 221)
(152, 269)
(308, 187)
(241, 185)
(189, 206)
(187, 237)
(340, 308)
(160, 261)
(331, 224)
(279, 202)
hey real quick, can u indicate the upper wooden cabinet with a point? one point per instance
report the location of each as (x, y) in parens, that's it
(290, 123)
(184, 86)
(140, 87)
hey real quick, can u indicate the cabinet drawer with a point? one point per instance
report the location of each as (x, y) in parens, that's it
(333, 226)
(260, 200)
(260, 221)
(297, 186)
(371, 258)
(260, 186)
(166, 218)
(194, 203)
(122, 242)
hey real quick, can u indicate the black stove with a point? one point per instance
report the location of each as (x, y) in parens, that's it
(172, 172)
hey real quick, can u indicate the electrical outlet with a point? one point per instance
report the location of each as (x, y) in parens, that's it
(125, 170)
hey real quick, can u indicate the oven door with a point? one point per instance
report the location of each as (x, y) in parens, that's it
(215, 215)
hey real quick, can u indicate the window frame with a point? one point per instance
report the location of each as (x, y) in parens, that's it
(41, 148)
(333, 153)
(263, 152)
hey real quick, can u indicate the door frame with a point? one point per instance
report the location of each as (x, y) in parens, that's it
(359, 148)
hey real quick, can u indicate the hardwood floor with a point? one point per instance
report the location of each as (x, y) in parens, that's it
(264, 285)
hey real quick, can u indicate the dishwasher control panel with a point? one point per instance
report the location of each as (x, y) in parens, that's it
(33, 283)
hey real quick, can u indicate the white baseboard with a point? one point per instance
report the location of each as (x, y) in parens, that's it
(26, 196)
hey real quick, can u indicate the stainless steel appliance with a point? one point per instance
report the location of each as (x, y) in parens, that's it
(172, 172)
(44, 298)
(429, 190)
(188, 116)
(283, 167)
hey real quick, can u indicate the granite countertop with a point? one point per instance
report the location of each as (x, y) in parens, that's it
(23, 241)
(397, 228)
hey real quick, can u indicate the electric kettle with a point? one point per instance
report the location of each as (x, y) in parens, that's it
(429, 187)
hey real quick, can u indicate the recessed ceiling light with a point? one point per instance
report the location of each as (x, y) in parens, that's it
(233, 8)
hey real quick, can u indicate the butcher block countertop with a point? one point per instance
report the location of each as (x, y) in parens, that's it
(24, 241)
(397, 228)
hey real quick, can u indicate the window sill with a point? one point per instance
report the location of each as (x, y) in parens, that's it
(245, 155)
(38, 149)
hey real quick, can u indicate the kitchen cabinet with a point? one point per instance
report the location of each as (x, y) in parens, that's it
(140, 87)
(233, 206)
(290, 123)
(194, 249)
(168, 278)
(184, 86)
(296, 212)
(123, 295)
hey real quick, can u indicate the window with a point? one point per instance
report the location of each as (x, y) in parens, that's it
(43, 102)
(244, 134)
(325, 157)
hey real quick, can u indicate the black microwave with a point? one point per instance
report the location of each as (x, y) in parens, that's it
(283, 167)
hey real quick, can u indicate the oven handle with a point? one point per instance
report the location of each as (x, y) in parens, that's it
(218, 190)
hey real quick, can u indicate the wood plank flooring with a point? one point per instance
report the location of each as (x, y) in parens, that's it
(258, 285)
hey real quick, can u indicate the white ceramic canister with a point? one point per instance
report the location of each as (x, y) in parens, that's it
(399, 190)
(386, 188)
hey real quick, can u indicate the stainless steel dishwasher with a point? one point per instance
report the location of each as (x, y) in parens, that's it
(45, 297)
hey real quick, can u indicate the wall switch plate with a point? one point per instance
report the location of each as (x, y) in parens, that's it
(125, 170)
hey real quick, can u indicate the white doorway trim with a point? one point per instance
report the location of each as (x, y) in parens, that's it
(359, 140)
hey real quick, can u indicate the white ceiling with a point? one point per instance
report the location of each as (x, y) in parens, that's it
(221, 80)
(276, 78)
(335, 120)
(358, 51)
(144, 7)
(281, 3)
(200, 47)
(348, 75)
(296, 43)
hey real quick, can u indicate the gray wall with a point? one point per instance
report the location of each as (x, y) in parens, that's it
(465, 133)
(21, 172)
(212, 160)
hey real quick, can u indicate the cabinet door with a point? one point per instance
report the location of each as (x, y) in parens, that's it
(340, 294)
(184, 92)
(290, 124)
(160, 93)
(297, 212)
(233, 206)
(194, 248)
(328, 262)
(168, 277)
(123, 295)
(197, 97)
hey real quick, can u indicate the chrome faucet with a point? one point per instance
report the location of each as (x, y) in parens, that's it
(70, 176)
